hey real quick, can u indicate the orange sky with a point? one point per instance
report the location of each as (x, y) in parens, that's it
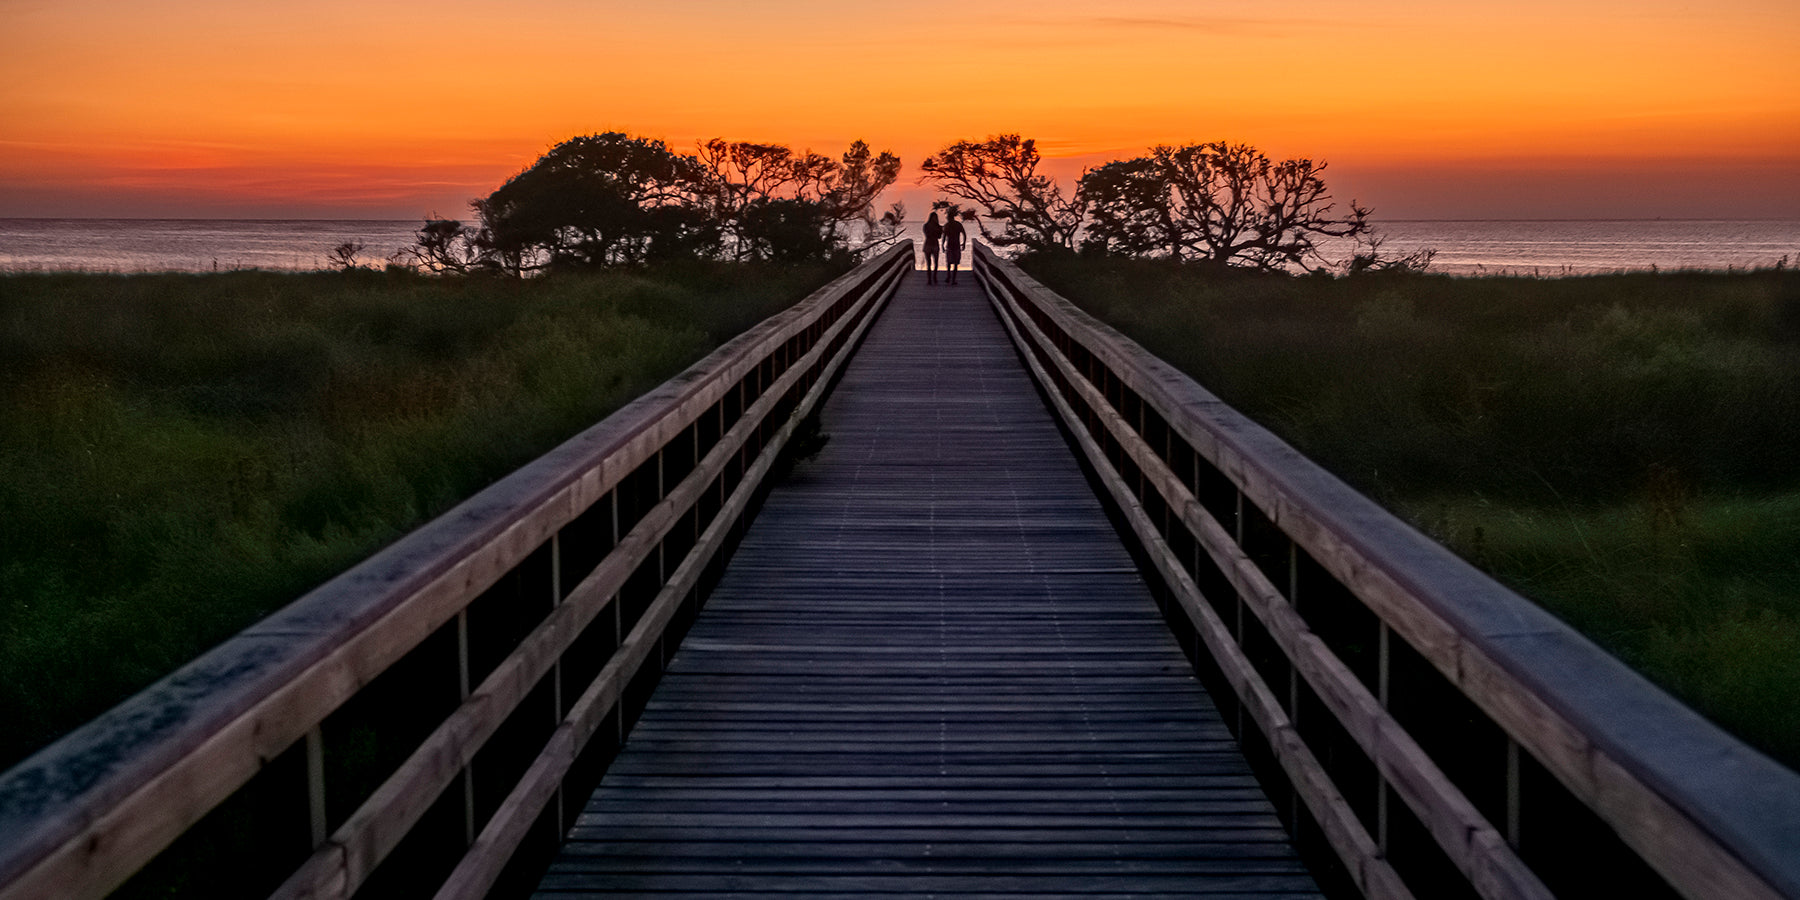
(379, 109)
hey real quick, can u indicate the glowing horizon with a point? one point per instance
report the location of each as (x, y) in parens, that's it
(378, 110)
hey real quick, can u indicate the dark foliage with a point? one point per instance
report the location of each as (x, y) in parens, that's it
(611, 199)
(1215, 204)
(600, 200)
(1000, 176)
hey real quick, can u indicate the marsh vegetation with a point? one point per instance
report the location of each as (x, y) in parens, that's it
(1620, 448)
(181, 454)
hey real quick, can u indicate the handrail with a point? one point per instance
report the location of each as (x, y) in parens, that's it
(618, 531)
(1266, 557)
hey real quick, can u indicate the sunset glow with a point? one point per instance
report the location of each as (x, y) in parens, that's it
(202, 107)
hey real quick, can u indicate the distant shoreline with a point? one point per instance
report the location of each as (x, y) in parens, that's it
(1526, 247)
(1380, 222)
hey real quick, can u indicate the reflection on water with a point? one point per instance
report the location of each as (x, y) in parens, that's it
(191, 245)
(1585, 247)
(1463, 247)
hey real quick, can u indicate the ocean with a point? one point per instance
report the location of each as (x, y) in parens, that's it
(192, 245)
(1563, 247)
(1474, 247)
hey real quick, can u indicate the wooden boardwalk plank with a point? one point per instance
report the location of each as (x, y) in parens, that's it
(931, 668)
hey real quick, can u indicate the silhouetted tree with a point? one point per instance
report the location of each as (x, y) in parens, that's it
(1000, 175)
(1129, 213)
(740, 175)
(344, 256)
(599, 200)
(446, 246)
(1217, 204)
(1368, 256)
(861, 176)
(787, 230)
(612, 199)
(883, 231)
(773, 203)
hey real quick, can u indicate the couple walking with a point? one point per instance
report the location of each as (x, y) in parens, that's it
(950, 235)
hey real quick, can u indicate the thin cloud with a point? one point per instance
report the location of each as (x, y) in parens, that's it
(1080, 30)
(1209, 24)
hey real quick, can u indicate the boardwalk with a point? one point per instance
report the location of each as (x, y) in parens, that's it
(931, 669)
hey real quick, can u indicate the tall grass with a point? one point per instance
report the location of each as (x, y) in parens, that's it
(1621, 448)
(182, 454)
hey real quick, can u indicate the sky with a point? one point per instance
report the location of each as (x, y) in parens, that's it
(376, 109)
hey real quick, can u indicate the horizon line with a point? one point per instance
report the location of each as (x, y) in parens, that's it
(4, 218)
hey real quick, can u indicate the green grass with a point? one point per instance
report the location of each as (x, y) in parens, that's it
(182, 454)
(1620, 448)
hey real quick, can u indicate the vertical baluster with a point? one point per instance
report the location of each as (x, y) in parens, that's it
(556, 674)
(1293, 708)
(618, 600)
(315, 785)
(462, 681)
(662, 562)
(1381, 791)
(1512, 793)
(699, 526)
(1238, 608)
(1238, 618)
(1197, 550)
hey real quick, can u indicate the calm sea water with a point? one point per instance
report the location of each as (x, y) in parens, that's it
(1463, 247)
(191, 245)
(1585, 247)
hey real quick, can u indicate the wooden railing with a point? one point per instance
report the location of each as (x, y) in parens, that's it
(430, 721)
(1439, 735)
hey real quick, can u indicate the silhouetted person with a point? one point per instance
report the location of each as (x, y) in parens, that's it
(934, 236)
(954, 239)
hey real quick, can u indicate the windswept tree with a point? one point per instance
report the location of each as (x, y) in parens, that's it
(743, 178)
(599, 200)
(773, 203)
(1000, 176)
(1129, 213)
(446, 246)
(1216, 204)
(861, 176)
(613, 199)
